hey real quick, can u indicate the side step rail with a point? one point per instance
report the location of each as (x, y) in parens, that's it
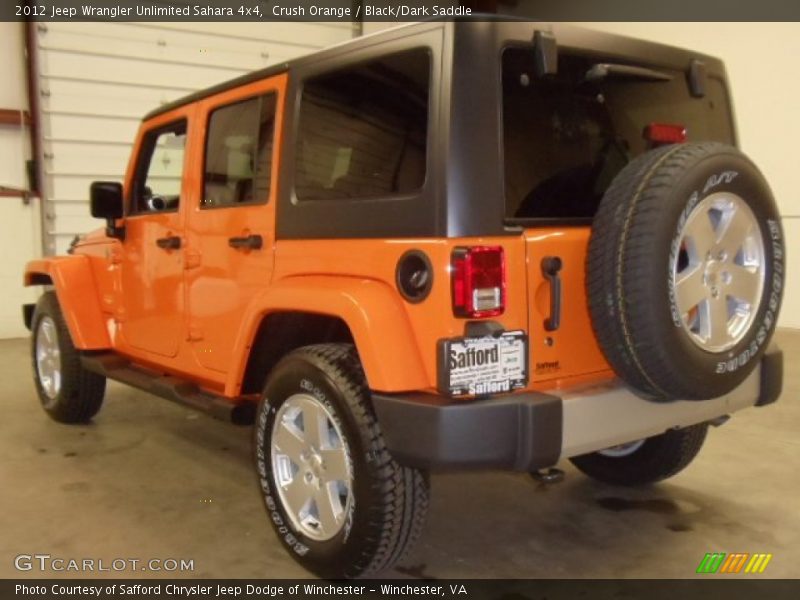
(112, 366)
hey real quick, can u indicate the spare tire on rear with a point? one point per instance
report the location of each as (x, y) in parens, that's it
(685, 271)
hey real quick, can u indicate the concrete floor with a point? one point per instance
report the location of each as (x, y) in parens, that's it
(149, 479)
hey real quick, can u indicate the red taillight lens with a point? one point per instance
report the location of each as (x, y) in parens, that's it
(665, 133)
(478, 276)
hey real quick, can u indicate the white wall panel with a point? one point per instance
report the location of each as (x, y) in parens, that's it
(90, 128)
(19, 221)
(14, 140)
(175, 47)
(72, 188)
(58, 64)
(103, 99)
(98, 79)
(300, 35)
(78, 157)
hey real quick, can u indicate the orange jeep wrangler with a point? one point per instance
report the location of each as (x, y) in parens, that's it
(451, 245)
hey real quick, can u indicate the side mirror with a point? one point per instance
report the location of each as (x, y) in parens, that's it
(106, 203)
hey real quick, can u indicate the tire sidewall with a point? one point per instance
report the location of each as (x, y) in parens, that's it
(295, 375)
(718, 373)
(659, 458)
(48, 307)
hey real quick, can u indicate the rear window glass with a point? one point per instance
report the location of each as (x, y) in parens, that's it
(566, 138)
(363, 130)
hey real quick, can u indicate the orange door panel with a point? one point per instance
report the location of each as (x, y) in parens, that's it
(230, 230)
(152, 286)
(151, 268)
(571, 349)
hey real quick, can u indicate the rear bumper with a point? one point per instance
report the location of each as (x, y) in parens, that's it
(532, 430)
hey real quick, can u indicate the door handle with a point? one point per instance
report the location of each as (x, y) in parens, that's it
(172, 242)
(249, 242)
(551, 265)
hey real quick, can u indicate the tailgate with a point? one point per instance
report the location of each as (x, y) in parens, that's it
(571, 349)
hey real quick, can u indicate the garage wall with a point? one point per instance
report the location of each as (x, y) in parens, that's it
(19, 220)
(14, 139)
(96, 81)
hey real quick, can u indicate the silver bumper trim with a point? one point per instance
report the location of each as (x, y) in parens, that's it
(598, 417)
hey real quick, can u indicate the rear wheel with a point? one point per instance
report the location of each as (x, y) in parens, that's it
(68, 392)
(644, 461)
(338, 501)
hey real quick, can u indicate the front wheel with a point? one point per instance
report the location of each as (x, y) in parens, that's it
(338, 501)
(645, 461)
(68, 392)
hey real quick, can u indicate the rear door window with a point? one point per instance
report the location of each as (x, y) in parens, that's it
(567, 137)
(238, 158)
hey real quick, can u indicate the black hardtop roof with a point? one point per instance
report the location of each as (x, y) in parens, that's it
(627, 45)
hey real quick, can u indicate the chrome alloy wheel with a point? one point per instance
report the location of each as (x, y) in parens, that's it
(311, 467)
(48, 358)
(622, 449)
(718, 274)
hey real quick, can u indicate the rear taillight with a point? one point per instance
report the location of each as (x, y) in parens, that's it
(478, 276)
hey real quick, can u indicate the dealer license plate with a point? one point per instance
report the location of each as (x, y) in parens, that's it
(483, 365)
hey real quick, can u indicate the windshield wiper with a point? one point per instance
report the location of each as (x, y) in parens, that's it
(602, 71)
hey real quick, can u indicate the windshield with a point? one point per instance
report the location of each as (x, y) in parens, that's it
(567, 136)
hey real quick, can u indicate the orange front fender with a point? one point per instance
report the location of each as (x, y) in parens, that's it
(371, 309)
(72, 278)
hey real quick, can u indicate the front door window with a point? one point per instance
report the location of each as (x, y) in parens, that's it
(158, 178)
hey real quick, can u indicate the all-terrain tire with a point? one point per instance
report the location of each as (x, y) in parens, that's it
(389, 501)
(77, 394)
(639, 241)
(658, 458)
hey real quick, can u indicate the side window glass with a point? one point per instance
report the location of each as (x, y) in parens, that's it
(363, 130)
(238, 156)
(157, 185)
